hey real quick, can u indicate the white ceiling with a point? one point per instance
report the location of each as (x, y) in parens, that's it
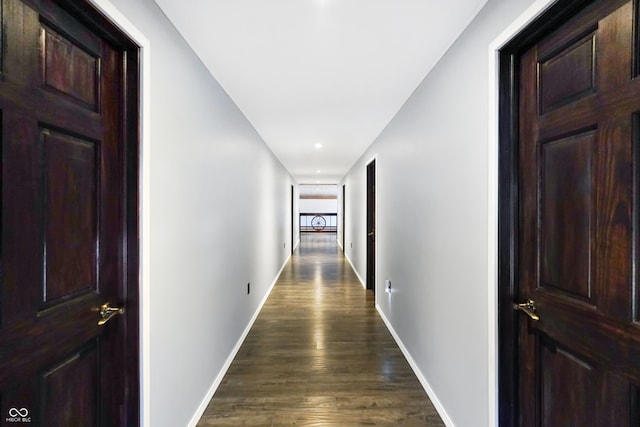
(333, 72)
(318, 190)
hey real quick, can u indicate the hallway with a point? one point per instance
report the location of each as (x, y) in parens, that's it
(319, 355)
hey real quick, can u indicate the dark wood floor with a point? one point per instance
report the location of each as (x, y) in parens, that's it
(319, 355)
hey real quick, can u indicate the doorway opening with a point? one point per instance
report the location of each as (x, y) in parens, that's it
(318, 208)
(293, 218)
(344, 216)
(371, 226)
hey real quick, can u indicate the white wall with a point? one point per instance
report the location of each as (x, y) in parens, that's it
(318, 205)
(432, 221)
(219, 218)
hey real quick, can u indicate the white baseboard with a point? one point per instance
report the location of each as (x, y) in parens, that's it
(364, 284)
(340, 244)
(216, 383)
(425, 384)
(294, 248)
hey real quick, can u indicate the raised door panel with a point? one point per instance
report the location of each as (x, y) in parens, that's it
(566, 381)
(567, 75)
(71, 383)
(69, 68)
(70, 215)
(566, 211)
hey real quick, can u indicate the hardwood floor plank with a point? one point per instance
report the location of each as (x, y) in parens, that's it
(319, 355)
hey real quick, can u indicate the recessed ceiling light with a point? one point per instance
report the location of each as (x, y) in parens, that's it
(318, 145)
(317, 171)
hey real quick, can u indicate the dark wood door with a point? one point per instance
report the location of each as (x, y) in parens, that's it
(344, 216)
(579, 364)
(293, 216)
(65, 223)
(371, 226)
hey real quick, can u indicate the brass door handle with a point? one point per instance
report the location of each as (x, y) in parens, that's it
(107, 313)
(528, 308)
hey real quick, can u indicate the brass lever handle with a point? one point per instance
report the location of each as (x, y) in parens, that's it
(528, 308)
(107, 313)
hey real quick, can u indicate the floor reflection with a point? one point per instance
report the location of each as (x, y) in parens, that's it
(319, 355)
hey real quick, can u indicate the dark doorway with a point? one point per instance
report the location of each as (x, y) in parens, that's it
(293, 218)
(344, 217)
(69, 223)
(371, 226)
(569, 346)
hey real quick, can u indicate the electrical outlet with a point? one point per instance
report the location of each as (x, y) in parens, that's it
(248, 288)
(351, 245)
(387, 285)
